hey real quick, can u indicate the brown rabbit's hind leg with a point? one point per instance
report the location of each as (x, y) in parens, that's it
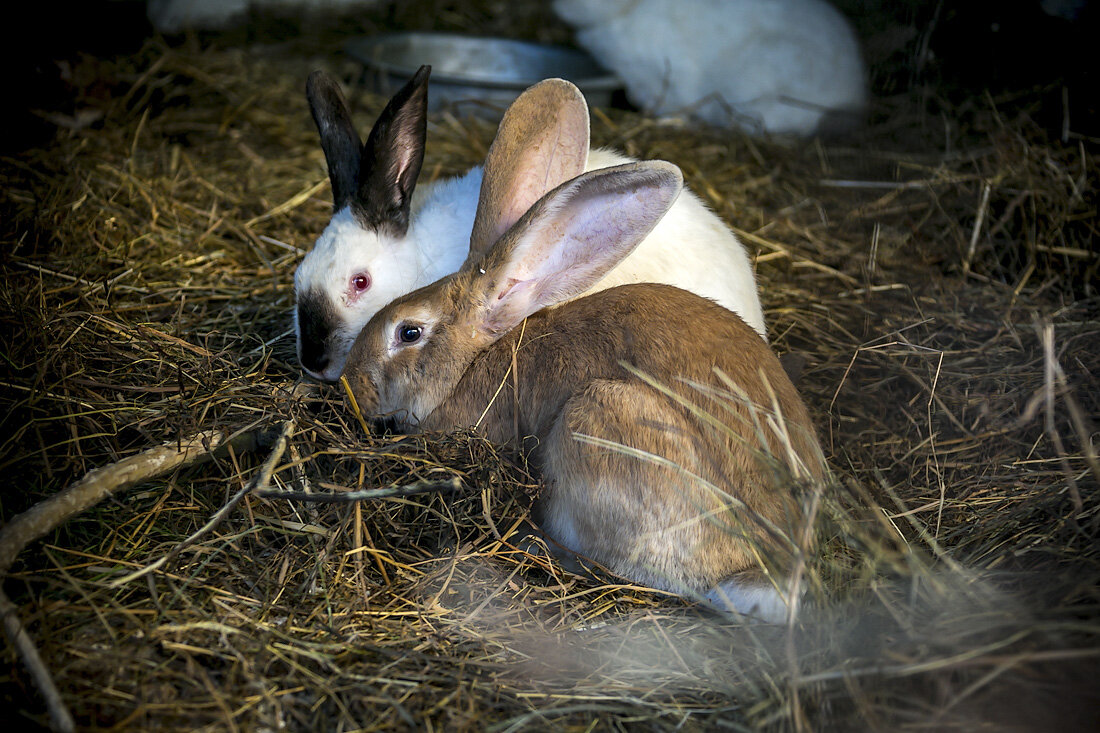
(624, 489)
(534, 540)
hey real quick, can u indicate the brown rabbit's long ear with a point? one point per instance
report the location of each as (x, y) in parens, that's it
(339, 139)
(541, 142)
(571, 238)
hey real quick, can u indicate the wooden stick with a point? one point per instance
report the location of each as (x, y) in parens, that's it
(60, 719)
(347, 497)
(97, 484)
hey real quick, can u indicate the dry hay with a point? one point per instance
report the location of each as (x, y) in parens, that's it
(945, 301)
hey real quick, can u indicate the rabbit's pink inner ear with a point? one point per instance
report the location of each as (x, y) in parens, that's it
(541, 169)
(574, 236)
(514, 301)
(541, 142)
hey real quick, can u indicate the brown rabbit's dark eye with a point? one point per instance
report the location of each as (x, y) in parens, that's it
(409, 334)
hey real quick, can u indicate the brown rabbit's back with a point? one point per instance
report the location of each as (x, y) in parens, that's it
(669, 334)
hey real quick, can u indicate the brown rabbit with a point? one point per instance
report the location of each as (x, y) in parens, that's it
(667, 432)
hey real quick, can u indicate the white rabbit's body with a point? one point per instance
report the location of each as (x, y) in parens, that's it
(784, 66)
(690, 248)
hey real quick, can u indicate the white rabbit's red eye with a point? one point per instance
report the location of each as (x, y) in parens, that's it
(360, 282)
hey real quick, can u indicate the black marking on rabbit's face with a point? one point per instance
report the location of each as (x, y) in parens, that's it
(316, 321)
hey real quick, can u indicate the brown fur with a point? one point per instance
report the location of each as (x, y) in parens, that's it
(589, 384)
(640, 519)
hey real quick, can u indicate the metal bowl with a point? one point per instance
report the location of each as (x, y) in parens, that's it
(476, 74)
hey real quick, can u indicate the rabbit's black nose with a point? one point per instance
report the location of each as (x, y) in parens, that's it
(314, 361)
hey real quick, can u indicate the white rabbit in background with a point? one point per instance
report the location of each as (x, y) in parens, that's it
(388, 237)
(656, 465)
(781, 66)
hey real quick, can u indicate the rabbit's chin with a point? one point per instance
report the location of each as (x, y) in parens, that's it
(363, 389)
(332, 372)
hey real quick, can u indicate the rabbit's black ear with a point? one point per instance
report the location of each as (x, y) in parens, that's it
(339, 139)
(392, 157)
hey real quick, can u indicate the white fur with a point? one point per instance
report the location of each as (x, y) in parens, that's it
(763, 602)
(692, 249)
(435, 245)
(774, 65)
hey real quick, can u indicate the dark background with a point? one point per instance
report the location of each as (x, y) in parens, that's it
(956, 51)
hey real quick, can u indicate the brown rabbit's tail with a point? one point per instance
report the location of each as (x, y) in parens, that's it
(749, 594)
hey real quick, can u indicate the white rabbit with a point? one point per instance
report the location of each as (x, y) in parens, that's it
(384, 241)
(784, 66)
(700, 488)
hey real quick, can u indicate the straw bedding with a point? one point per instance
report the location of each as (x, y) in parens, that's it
(941, 293)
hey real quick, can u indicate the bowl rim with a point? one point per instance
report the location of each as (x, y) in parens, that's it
(358, 48)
